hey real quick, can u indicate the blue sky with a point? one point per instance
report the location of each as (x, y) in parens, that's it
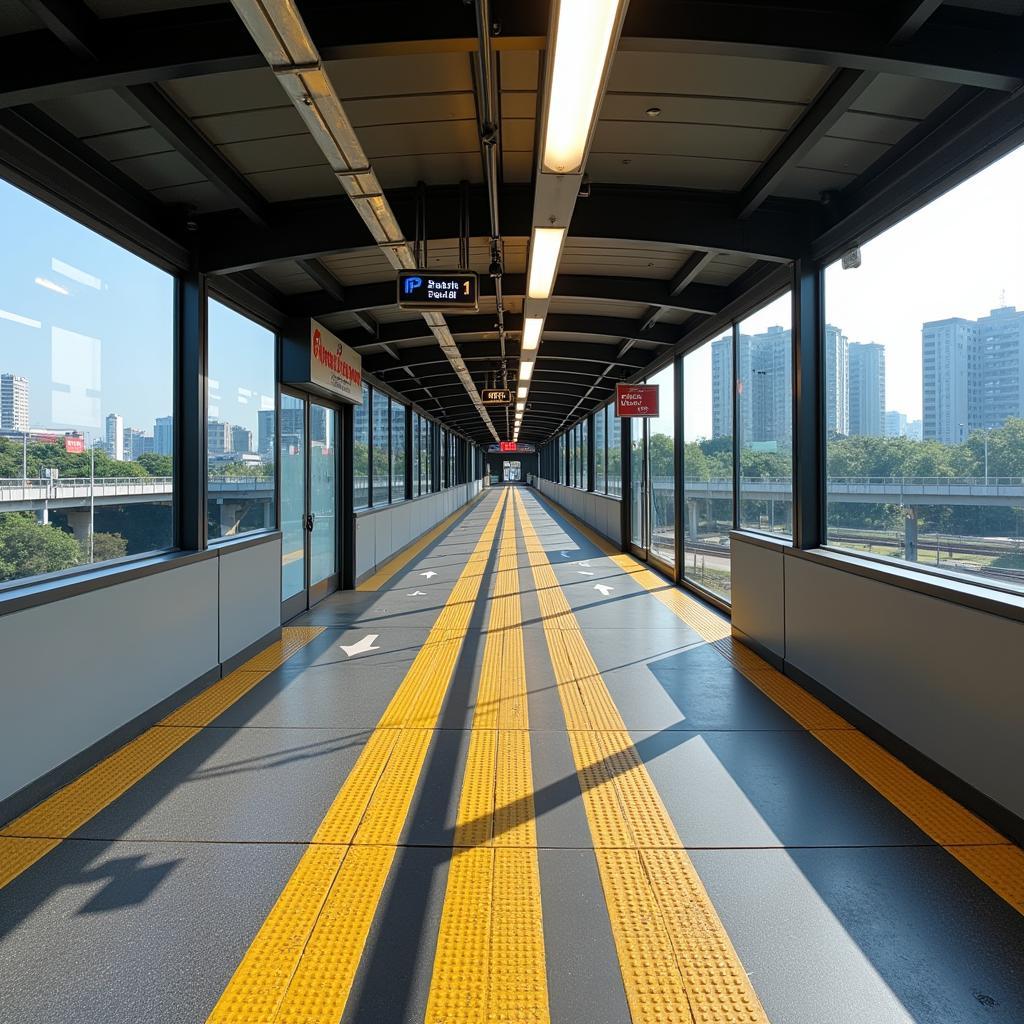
(91, 326)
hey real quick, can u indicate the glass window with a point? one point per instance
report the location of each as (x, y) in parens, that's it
(925, 443)
(292, 460)
(563, 445)
(241, 425)
(426, 453)
(86, 395)
(397, 451)
(584, 454)
(361, 452)
(764, 389)
(661, 432)
(381, 414)
(614, 453)
(707, 465)
(600, 476)
(323, 477)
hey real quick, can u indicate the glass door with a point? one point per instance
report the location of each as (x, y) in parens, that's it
(309, 458)
(639, 506)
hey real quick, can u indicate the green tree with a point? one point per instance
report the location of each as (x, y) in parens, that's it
(156, 465)
(105, 546)
(29, 549)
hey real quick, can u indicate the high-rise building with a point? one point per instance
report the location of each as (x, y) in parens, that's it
(218, 437)
(996, 388)
(265, 421)
(895, 423)
(135, 443)
(837, 387)
(241, 440)
(163, 435)
(972, 373)
(915, 430)
(115, 437)
(721, 387)
(946, 348)
(765, 364)
(13, 402)
(867, 389)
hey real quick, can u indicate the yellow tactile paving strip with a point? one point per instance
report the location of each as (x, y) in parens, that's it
(489, 962)
(301, 964)
(677, 961)
(43, 827)
(983, 850)
(403, 558)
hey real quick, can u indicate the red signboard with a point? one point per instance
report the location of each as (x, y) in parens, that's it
(73, 444)
(508, 446)
(636, 399)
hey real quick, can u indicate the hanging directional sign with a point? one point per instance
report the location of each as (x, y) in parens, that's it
(496, 396)
(510, 448)
(438, 289)
(636, 400)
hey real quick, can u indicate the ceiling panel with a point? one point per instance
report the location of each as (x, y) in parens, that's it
(670, 171)
(519, 70)
(244, 125)
(232, 91)
(701, 110)
(643, 138)
(404, 75)
(518, 167)
(274, 154)
(701, 74)
(94, 113)
(872, 127)
(457, 106)
(428, 137)
(202, 196)
(296, 183)
(433, 168)
(15, 17)
(808, 183)
(159, 170)
(134, 142)
(598, 307)
(903, 97)
(848, 155)
(120, 8)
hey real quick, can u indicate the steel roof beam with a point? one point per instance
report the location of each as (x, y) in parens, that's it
(698, 220)
(966, 47)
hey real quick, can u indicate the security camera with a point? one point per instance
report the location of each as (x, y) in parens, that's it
(851, 259)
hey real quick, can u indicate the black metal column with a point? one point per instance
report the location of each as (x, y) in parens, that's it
(735, 427)
(346, 498)
(808, 405)
(590, 453)
(410, 452)
(677, 463)
(190, 410)
(626, 470)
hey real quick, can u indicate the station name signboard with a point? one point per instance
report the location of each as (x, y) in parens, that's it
(334, 366)
(496, 396)
(511, 448)
(439, 290)
(636, 399)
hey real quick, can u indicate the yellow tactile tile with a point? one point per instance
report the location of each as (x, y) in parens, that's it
(489, 962)
(675, 956)
(311, 978)
(18, 854)
(979, 847)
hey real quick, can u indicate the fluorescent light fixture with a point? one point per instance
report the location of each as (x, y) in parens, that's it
(16, 318)
(525, 370)
(522, 392)
(531, 332)
(45, 282)
(544, 249)
(583, 38)
(520, 406)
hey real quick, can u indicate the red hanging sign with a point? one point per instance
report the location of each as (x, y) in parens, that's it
(74, 444)
(636, 399)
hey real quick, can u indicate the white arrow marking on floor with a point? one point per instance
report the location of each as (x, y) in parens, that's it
(429, 573)
(586, 574)
(364, 645)
(564, 554)
(604, 588)
(586, 565)
(417, 593)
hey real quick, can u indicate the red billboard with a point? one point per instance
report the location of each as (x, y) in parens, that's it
(73, 444)
(636, 399)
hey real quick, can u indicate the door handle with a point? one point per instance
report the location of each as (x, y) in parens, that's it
(309, 522)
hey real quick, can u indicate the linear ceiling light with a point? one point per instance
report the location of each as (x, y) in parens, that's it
(525, 369)
(583, 39)
(544, 250)
(531, 332)
(522, 392)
